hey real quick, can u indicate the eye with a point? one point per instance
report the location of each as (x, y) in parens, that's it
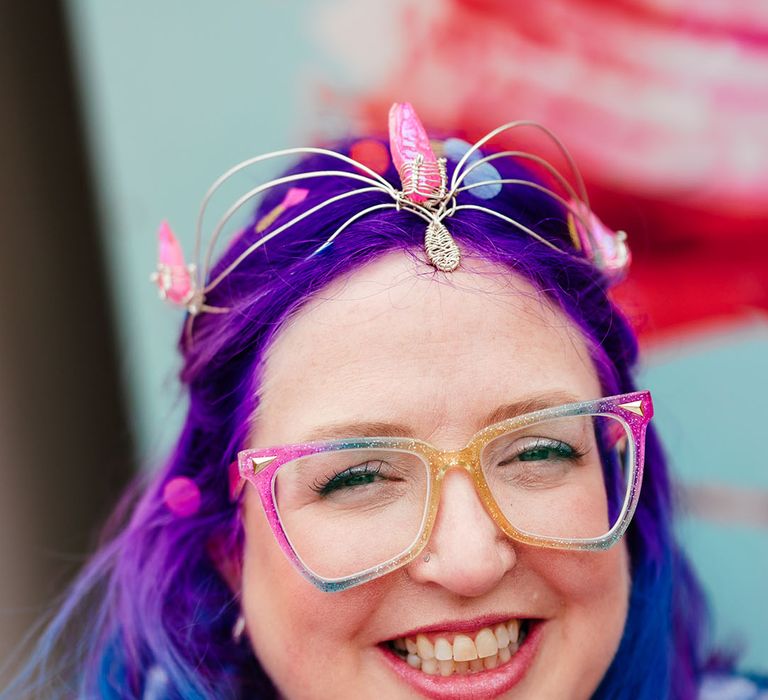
(353, 477)
(538, 449)
(534, 463)
(543, 450)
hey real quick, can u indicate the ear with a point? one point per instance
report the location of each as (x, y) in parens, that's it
(226, 556)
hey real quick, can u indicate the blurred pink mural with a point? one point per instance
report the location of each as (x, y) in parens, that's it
(663, 103)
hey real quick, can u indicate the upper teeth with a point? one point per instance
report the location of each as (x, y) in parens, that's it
(489, 647)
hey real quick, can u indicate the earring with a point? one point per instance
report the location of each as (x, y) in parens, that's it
(238, 629)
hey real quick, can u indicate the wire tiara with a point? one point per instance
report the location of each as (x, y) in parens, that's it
(425, 192)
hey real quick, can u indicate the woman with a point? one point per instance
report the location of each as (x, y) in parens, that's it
(393, 481)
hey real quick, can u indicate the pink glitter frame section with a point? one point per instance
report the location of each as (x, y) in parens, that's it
(259, 467)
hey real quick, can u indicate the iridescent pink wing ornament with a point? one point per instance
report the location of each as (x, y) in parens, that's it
(173, 276)
(606, 248)
(423, 177)
(419, 169)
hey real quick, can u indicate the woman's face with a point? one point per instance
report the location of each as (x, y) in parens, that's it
(394, 344)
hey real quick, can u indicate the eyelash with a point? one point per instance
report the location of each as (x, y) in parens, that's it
(334, 481)
(563, 450)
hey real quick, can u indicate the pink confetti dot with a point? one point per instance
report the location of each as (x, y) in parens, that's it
(371, 153)
(182, 496)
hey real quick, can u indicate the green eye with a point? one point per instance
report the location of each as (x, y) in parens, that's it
(541, 453)
(359, 475)
(355, 479)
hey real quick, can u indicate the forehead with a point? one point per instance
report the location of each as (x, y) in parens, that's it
(396, 342)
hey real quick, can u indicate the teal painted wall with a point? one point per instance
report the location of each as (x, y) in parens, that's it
(710, 406)
(176, 91)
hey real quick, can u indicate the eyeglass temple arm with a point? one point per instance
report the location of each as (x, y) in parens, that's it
(236, 482)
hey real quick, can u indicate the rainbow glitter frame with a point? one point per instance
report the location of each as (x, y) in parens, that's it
(259, 467)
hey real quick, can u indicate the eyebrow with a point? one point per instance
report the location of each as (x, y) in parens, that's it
(335, 431)
(536, 402)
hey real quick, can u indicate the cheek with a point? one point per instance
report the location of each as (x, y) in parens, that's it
(593, 589)
(582, 578)
(295, 629)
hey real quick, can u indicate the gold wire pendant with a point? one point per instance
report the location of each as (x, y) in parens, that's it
(442, 250)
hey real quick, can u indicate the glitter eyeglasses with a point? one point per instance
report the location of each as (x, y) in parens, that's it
(348, 511)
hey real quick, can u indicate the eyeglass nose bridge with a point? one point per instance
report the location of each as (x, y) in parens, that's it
(467, 459)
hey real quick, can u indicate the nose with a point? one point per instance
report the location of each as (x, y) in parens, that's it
(468, 553)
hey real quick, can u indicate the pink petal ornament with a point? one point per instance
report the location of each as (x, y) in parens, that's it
(413, 156)
(294, 196)
(173, 277)
(606, 248)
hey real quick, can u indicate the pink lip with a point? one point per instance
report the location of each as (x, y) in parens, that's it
(480, 686)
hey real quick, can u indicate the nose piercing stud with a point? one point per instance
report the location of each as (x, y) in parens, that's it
(427, 556)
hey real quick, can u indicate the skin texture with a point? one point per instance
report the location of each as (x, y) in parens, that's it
(397, 342)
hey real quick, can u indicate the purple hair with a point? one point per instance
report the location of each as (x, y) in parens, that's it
(151, 612)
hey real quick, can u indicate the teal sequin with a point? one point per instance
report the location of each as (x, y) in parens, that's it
(454, 150)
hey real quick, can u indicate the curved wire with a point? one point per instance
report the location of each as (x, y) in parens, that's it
(350, 221)
(551, 169)
(264, 239)
(535, 185)
(224, 177)
(517, 224)
(244, 199)
(514, 125)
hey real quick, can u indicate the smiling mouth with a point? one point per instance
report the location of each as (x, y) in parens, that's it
(447, 654)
